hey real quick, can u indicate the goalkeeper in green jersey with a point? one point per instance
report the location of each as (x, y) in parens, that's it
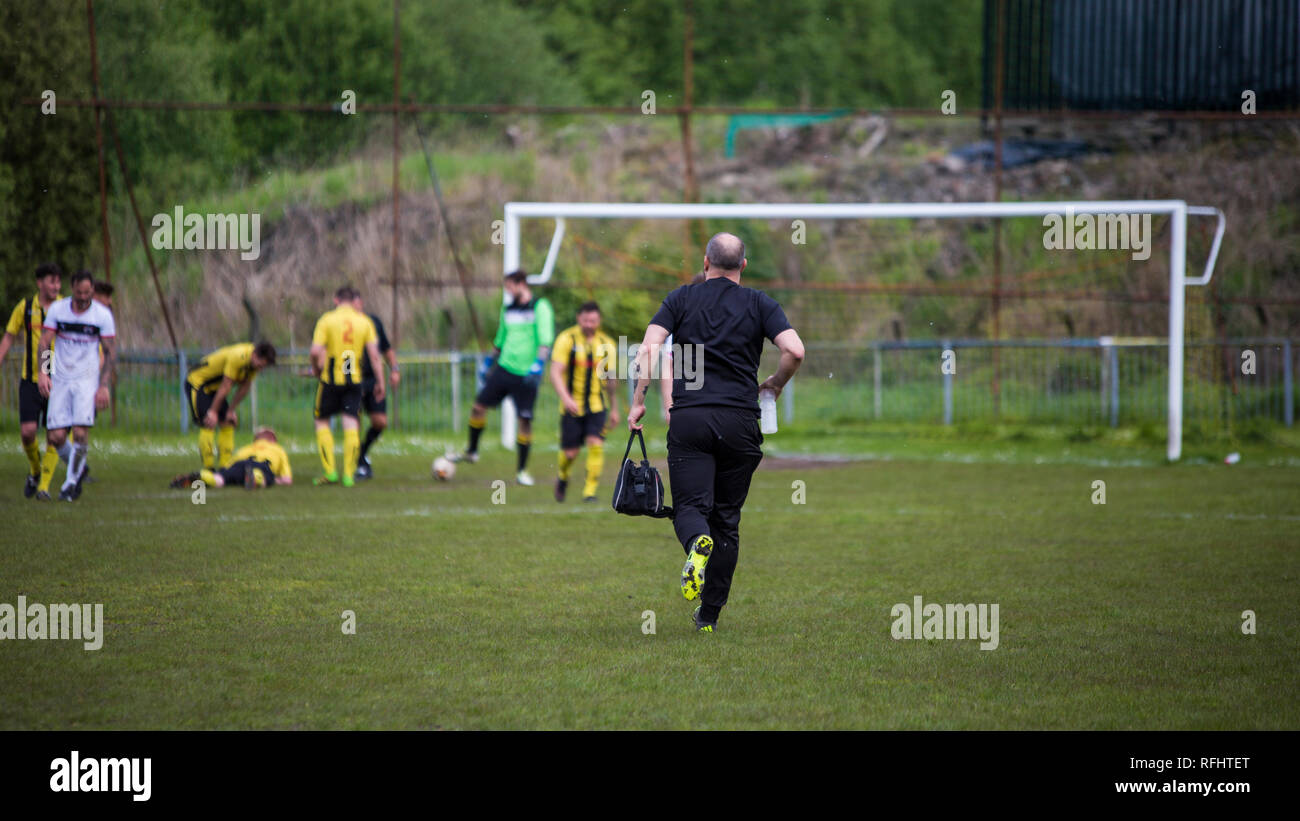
(522, 348)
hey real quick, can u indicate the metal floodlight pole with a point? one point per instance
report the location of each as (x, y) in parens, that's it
(995, 386)
(397, 148)
(99, 141)
(690, 188)
(139, 224)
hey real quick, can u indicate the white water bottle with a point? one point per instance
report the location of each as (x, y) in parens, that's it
(767, 412)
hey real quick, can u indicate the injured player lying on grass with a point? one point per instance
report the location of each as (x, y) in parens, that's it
(261, 464)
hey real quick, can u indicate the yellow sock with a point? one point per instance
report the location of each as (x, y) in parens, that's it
(566, 464)
(33, 452)
(325, 445)
(351, 452)
(225, 446)
(49, 462)
(595, 463)
(207, 440)
(208, 477)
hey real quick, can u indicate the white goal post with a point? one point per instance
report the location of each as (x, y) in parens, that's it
(1177, 210)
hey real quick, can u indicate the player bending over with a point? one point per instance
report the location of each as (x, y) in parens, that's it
(259, 465)
(212, 407)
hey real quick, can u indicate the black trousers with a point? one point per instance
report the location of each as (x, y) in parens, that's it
(712, 454)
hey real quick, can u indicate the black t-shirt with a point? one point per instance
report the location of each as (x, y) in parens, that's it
(729, 323)
(368, 372)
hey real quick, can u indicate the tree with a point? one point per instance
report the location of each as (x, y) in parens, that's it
(48, 173)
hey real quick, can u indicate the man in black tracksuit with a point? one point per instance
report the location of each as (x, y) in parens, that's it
(714, 443)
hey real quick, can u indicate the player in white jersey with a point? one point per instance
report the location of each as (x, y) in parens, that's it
(79, 384)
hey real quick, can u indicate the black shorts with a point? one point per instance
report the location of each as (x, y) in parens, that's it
(574, 430)
(201, 403)
(234, 475)
(501, 383)
(368, 398)
(31, 405)
(336, 399)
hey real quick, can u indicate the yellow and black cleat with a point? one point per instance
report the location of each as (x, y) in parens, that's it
(184, 480)
(693, 570)
(702, 626)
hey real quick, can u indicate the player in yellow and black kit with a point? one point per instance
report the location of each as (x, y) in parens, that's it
(261, 464)
(341, 338)
(211, 405)
(584, 375)
(26, 322)
(376, 409)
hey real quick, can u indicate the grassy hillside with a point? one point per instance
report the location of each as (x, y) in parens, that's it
(332, 223)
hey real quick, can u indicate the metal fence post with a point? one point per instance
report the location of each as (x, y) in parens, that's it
(1103, 374)
(875, 381)
(947, 383)
(787, 396)
(455, 391)
(1288, 392)
(252, 402)
(1112, 365)
(182, 362)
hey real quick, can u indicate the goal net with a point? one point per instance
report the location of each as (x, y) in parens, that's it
(1063, 222)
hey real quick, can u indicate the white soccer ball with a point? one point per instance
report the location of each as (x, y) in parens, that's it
(443, 468)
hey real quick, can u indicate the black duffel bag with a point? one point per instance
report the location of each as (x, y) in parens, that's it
(639, 491)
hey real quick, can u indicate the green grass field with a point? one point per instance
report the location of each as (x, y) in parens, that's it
(528, 614)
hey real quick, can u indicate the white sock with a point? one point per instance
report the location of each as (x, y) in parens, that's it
(65, 451)
(76, 464)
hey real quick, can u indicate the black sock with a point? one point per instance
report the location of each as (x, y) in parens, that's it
(709, 613)
(474, 434)
(371, 435)
(522, 445)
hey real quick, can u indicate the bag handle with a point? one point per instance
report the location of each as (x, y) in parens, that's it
(636, 435)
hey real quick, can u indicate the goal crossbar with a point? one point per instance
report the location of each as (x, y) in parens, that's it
(1178, 211)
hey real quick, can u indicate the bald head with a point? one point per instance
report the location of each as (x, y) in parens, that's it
(726, 253)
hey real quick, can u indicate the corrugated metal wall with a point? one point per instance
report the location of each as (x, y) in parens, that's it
(1135, 55)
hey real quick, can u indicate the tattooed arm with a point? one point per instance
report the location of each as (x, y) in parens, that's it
(106, 371)
(649, 348)
(43, 355)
